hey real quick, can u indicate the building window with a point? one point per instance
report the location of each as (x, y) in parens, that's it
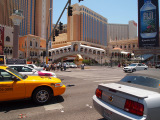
(36, 44)
(129, 46)
(133, 46)
(8, 39)
(30, 43)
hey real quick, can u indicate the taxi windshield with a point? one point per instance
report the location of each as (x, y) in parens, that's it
(17, 73)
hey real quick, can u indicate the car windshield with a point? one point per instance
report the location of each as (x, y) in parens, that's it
(142, 80)
(132, 64)
(17, 73)
(72, 64)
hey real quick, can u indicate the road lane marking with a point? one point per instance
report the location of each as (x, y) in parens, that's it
(107, 80)
(110, 78)
(56, 106)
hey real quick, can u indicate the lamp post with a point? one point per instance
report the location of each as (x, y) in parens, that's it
(16, 19)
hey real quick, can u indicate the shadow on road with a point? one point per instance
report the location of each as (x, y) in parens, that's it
(22, 104)
(102, 119)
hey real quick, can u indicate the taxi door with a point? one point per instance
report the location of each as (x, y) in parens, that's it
(9, 89)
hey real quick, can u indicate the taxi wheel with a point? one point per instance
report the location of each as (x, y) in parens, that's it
(41, 95)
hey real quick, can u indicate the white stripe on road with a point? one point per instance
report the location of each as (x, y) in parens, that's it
(110, 78)
(53, 107)
(107, 80)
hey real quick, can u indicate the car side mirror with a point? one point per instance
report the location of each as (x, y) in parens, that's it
(33, 71)
(14, 78)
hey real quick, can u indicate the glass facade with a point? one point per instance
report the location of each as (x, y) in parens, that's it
(94, 27)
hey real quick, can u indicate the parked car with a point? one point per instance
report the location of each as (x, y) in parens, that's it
(135, 67)
(135, 97)
(157, 66)
(14, 86)
(35, 67)
(26, 70)
(72, 65)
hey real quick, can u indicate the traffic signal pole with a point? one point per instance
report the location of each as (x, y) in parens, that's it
(52, 33)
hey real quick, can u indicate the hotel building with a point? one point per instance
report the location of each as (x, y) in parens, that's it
(37, 16)
(87, 26)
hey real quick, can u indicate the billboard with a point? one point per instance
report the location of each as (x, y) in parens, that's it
(1, 40)
(148, 23)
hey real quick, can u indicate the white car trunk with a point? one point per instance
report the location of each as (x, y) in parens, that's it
(116, 94)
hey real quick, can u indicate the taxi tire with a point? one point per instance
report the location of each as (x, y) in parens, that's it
(47, 90)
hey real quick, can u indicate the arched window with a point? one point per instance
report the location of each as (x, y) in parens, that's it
(8, 39)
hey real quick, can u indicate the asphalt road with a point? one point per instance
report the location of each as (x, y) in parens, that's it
(74, 104)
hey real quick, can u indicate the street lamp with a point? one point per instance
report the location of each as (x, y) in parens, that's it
(16, 19)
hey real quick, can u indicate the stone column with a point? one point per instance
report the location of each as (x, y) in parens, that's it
(16, 18)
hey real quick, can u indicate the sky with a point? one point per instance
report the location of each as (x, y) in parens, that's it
(116, 11)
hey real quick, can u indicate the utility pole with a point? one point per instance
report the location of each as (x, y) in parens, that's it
(52, 34)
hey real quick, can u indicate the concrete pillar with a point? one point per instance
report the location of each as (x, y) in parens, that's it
(15, 41)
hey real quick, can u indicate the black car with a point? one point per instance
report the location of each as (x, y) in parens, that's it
(157, 66)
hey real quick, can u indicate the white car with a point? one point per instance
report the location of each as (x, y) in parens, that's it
(135, 67)
(35, 67)
(72, 65)
(26, 70)
(135, 97)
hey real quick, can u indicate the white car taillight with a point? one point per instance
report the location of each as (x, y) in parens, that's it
(99, 93)
(134, 107)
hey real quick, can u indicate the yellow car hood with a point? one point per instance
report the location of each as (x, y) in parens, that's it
(43, 79)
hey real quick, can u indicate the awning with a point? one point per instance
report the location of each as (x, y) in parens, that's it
(123, 52)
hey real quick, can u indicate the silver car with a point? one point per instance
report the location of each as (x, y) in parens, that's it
(135, 67)
(135, 97)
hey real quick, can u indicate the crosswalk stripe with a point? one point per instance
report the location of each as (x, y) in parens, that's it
(110, 78)
(107, 80)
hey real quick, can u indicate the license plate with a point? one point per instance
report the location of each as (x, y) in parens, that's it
(107, 114)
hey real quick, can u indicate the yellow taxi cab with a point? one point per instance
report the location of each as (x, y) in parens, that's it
(14, 86)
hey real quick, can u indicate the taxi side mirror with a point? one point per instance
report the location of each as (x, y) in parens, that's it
(14, 78)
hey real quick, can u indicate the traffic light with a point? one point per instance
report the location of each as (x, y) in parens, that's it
(56, 32)
(70, 11)
(60, 26)
(80, 0)
(53, 38)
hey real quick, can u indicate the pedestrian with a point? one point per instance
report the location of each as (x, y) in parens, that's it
(57, 66)
(64, 66)
(47, 67)
(51, 66)
(54, 66)
(82, 66)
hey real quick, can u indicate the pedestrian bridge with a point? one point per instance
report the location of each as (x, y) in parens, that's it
(98, 54)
